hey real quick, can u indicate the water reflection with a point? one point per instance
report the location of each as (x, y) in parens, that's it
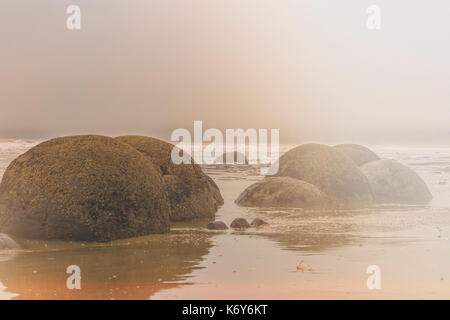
(126, 269)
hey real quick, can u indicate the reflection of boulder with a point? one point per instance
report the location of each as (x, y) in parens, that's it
(359, 154)
(191, 193)
(7, 243)
(91, 188)
(126, 269)
(393, 182)
(282, 192)
(238, 158)
(329, 170)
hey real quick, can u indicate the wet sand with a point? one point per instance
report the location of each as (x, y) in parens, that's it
(409, 244)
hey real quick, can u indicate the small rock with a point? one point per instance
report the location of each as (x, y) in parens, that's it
(240, 223)
(217, 225)
(257, 222)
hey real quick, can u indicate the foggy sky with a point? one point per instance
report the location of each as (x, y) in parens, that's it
(310, 68)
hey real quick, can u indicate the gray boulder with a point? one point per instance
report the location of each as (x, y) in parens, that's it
(395, 183)
(359, 154)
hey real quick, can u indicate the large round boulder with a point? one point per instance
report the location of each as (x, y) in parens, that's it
(82, 188)
(359, 154)
(282, 192)
(330, 170)
(191, 193)
(395, 183)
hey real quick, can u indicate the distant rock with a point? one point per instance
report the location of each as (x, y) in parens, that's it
(393, 182)
(257, 222)
(82, 188)
(6, 243)
(331, 171)
(233, 155)
(217, 225)
(240, 223)
(359, 154)
(191, 193)
(282, 192)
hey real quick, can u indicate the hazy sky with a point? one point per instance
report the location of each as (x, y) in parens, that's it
(310, 68)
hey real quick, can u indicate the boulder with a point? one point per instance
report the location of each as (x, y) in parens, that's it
(257, 222)
(359, 154)
(217, 225)
(83, 188)
(240, 223)
(191, 193)
(395, 183)
(6, 243)
(330, 170)
(282, 192)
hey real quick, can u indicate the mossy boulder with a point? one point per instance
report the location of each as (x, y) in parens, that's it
(395, 183)
(330, 170)
(191, 193)
(282, 192)
(359, 154)
(83, 188)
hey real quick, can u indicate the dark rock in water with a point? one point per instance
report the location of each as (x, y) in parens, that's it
(6, 243)
(83, 188)
(359, 154)
(217, 225)
(282, 192)
(393, 182)
(191, 193)
(257, 222)
(331, 171)
(237, 157)
(240, 223)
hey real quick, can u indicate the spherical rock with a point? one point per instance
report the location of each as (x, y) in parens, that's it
(82, 188)
(395, 183)
(217, 225)
(191, 193)
(238, 158)
(359, 154)
(330, 170)
(240, 223)
(257, 222)
(282, 192)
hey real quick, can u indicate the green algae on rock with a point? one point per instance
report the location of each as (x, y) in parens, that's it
(82, 188)
(191, 193)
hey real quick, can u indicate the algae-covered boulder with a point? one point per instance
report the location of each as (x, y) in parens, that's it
(393, 182)
(330, 170)
(359, 154)
(191, 193)
(282, 192)
(90, 188)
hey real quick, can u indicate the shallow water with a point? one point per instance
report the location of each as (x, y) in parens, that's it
(409, 244)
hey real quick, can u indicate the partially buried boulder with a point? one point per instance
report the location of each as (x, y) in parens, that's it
(86, 188)
(217, 225)
(330, 170)
(359, 154)
(240, 223)
(191, 193)
(395, 183)
(257, 222)
(282, 192)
